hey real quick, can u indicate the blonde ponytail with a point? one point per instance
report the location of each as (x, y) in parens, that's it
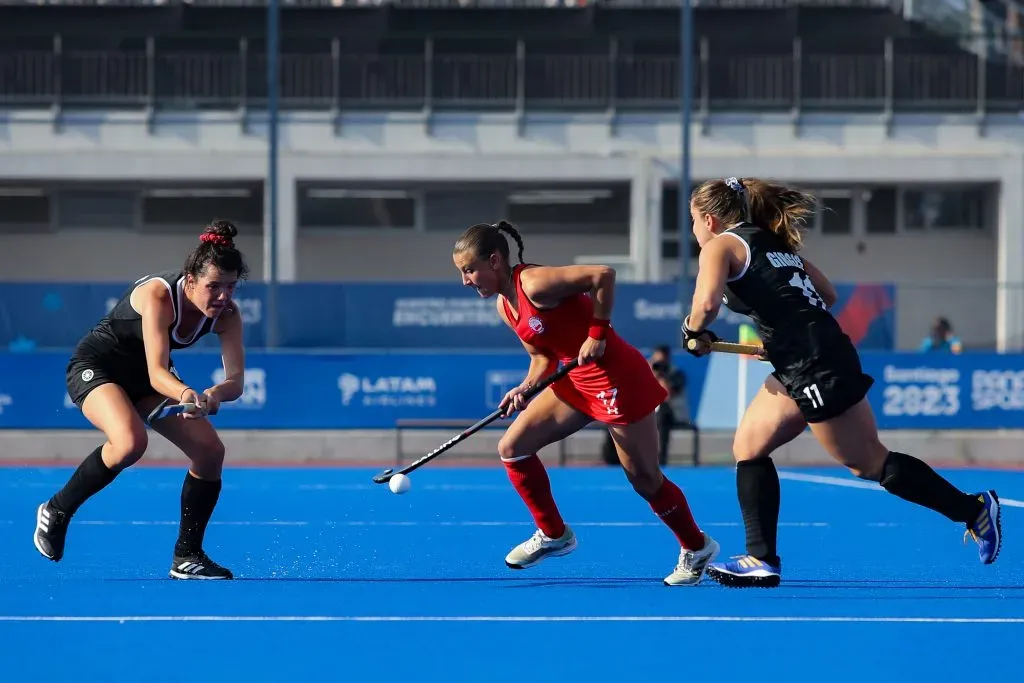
(771, 206)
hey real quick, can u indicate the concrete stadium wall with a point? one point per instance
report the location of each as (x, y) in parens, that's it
(981, 449)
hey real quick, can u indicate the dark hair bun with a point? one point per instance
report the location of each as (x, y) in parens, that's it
(220, 232)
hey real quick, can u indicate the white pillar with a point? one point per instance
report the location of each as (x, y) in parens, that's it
(638, 220)
(1010, 258)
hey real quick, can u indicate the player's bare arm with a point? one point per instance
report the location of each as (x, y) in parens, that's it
(232, 352)
(153, 303)
(720, 259)
(548, 285)
(541, 365)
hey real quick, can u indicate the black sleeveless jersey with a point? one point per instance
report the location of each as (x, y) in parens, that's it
(118, 336)
(800, 335)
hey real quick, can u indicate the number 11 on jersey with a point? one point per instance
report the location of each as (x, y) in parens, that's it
(814, 396)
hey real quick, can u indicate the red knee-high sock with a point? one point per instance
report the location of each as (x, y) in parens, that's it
(670, 505)
(531, 481)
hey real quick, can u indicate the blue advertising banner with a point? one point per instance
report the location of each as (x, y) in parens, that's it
(967, 391)
(372, 391)
(300, 391)
(399, 316)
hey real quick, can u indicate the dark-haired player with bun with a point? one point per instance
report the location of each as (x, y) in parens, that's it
(749, 233)
(122, 369)
(560, 314)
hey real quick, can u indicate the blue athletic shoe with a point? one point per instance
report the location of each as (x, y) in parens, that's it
(987, 529)
(745, 571)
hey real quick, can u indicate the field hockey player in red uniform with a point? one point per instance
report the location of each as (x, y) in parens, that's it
(560, 314)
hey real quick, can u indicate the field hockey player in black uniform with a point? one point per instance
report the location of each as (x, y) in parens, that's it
(121, 370)
(749, 233)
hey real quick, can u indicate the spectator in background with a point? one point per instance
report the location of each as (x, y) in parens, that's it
(674, 411)
(942, 339)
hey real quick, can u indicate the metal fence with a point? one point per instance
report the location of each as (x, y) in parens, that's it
(879, 75)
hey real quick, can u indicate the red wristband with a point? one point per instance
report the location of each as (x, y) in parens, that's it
(598, 328)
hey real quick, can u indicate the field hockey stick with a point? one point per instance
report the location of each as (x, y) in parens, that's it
(386, 475)
(729, 347)
(166, 409)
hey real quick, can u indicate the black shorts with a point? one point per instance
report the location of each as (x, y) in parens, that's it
(85, 374)
(829, 387)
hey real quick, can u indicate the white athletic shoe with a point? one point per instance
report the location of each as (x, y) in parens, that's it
(692, 564)
(540, 546)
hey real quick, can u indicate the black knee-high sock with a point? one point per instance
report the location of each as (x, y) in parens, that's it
(913, 480)
(757, 486)
(91, 477)
(198, 499)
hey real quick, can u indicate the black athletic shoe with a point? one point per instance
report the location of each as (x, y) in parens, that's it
(198, 567)
(51, 530)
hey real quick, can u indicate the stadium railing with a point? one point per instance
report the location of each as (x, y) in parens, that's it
(803, 74)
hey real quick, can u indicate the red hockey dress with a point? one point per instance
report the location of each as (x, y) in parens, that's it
(618, 389)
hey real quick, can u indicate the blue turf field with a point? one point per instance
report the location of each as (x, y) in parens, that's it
(342, 580)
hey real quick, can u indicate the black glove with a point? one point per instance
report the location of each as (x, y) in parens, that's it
(704, 339)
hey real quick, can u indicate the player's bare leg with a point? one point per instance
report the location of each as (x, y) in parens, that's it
(852, 439)
(200, 491)
(108, 408)
(546, 420)
(772, 420)
(637, 446)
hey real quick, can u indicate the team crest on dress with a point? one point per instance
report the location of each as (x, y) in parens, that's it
(536, 324)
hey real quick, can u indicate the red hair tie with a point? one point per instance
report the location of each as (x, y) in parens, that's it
(214, 238)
